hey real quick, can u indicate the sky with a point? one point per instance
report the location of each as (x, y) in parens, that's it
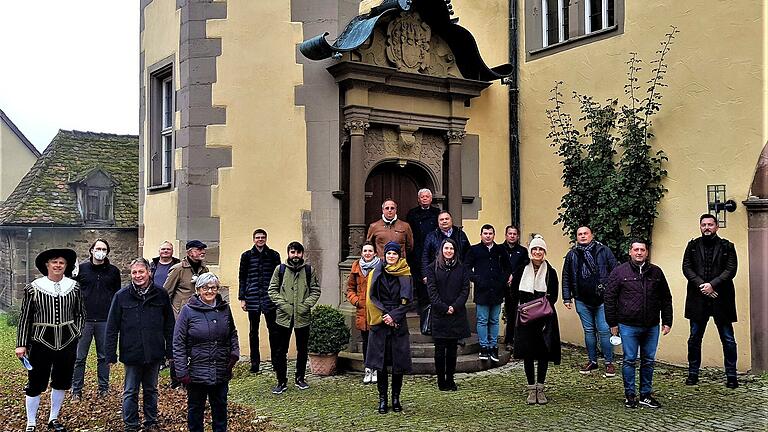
(69, 65)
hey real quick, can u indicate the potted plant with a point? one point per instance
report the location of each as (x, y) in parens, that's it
(328, 334)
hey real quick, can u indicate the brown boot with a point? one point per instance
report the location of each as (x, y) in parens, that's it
(540, 398)
(532, 390)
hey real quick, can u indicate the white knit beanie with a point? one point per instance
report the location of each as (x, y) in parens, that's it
(537, 241)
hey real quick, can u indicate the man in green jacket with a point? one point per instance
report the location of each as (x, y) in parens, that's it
(294, 289)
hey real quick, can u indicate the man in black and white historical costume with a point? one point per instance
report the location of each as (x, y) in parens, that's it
(49, 326)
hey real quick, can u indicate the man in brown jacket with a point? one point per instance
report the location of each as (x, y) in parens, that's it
(390, 228)
(180, 284)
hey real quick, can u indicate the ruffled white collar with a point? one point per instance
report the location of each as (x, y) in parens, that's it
(61, 288)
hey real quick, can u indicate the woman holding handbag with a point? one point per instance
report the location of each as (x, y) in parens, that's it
(537, 334)
(448, 287)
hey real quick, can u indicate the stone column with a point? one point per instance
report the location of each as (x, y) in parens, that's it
(455, 138)
(757, 209)
(356, 128)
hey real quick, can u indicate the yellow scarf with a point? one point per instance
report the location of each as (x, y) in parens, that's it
(373, 313)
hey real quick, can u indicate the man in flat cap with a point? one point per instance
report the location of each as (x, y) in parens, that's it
(180, 284)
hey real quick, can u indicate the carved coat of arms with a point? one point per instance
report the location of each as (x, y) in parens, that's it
(408, 42)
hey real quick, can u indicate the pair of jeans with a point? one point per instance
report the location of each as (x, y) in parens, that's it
(488, 325)
(144, 375)
(280, 359)
(217, 396)
(727, 338)
(92, 330)
(645, 340)
(593, 321)
(254, 319)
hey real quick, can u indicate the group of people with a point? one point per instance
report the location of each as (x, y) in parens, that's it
(71, 305)
(631, 301)
(171, 311)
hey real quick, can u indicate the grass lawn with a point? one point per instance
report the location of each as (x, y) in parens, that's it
(491, 400)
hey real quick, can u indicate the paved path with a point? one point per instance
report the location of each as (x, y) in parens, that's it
(494, 400)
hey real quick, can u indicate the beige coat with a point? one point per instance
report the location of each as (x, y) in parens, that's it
(180, 286)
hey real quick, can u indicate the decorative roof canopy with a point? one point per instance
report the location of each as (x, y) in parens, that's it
(433, 18)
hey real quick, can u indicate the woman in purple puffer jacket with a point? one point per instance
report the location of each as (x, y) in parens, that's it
(205, 350)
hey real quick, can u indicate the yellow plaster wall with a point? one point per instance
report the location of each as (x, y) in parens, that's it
(266, 187)
(707, 126)
(159, 40)
(489, 114)
(15, 160)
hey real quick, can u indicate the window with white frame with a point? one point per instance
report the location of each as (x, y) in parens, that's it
(167, 130)
(552, 24)
(161, 116)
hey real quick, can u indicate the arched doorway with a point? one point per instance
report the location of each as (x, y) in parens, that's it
(401, 183)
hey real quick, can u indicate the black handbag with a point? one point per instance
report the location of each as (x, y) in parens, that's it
(425, 320)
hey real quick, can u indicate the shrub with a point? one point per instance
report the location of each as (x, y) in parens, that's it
(328, 333)
(12, 315)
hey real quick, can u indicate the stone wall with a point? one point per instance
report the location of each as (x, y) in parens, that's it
(13, 253)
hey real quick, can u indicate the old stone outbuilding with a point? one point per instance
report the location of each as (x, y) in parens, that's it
(83, 187)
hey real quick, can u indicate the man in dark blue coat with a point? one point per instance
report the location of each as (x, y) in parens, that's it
(142, 317)
(423, 220)
(489, 265)
(256, 267)
(445, 228)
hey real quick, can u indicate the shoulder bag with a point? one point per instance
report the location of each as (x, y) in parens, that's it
(534, 310)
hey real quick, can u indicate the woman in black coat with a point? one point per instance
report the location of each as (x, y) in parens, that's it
(390, 293)
(538, 340)
(448, 286)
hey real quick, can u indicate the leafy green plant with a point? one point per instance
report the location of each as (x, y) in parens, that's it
(328, 333)
(12, 315)
(613, 177)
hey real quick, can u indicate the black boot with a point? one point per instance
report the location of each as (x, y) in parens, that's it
(450, 367)
(381, 385)
(396, 407)
(397, 385)
(383, 408)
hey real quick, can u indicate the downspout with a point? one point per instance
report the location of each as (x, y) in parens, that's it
(514, 139)
(29, 236)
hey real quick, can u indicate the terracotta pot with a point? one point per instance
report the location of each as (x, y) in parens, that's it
(323, 364)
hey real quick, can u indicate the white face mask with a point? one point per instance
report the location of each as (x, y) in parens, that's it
(99, 255)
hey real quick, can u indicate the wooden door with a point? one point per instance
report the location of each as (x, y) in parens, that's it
(389, 180)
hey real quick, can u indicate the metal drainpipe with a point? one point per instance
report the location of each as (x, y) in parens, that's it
(514, 139)
(29, 236)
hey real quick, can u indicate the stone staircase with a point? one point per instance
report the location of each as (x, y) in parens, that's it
(423, 351)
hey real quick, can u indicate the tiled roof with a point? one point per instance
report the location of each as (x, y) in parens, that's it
(45, 195)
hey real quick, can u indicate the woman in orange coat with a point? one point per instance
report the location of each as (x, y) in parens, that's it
(356, 287)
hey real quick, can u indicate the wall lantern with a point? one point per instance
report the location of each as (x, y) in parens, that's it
(718, 205)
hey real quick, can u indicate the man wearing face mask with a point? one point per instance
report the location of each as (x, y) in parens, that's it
(294, 289)
(99, 281)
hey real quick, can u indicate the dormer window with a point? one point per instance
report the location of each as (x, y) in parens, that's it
(95, 197)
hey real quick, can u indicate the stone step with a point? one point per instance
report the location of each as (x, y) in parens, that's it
(426, 366)
(427, 349)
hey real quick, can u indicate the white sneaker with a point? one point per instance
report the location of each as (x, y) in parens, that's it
(374, 377)
(367, 378)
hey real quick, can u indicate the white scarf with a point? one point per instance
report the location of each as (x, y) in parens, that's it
(534, 281)
(61, 288)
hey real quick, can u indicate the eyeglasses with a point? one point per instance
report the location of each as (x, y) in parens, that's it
(209, 288)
